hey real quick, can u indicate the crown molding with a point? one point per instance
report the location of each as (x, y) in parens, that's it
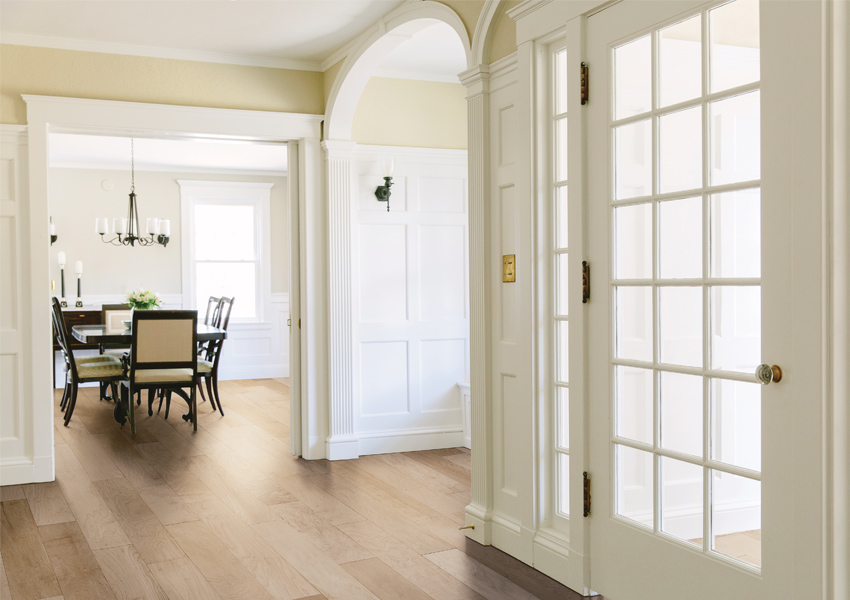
(19, 39)
(109, 166)
(526, 8)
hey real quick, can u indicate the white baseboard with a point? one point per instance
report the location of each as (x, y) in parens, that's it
(409, 441)
(20, 470)
(551, 555)
(509, 536)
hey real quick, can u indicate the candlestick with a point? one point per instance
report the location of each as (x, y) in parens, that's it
(63, 302)
(79, 302)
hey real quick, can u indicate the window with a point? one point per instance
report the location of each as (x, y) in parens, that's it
(226, 245)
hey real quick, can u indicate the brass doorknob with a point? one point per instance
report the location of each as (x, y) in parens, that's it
(767, 373)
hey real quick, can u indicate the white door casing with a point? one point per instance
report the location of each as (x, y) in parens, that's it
(791, 330)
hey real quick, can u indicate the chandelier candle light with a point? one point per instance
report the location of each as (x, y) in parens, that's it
(78, 269)
(61, 259)
(127, 230)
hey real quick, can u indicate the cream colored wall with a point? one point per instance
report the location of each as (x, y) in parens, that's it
(51, 72)
(76, 198)
(503, 42)
(403, 112)
(329, 77)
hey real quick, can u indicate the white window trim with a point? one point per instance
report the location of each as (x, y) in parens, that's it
(254, 193)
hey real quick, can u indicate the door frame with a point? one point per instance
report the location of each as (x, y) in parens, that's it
(46, 114)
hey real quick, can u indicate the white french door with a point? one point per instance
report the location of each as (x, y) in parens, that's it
(699, 255)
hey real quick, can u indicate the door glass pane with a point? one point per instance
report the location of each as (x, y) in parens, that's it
(633, 400)
(735, 129)
(634, 322)
(736, 328)
(736, 423)
(561, 230)
(564, 484)
(681, 413)
(633, 238)
(680, 150)
(563, 335)
(680, 61)
(734, 50)
(562, 264)
(560, 82)
(563, 409)
(561, 150)
(682, 500)
(680, 238)
(633, 78)
(634, 485)
(736, 517)
(633, 160)
(680, 310)
(736, 234)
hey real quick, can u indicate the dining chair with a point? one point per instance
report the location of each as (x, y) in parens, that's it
(112, 317)
(208, 367)
(103, 368)
(163, 356)
(212, 314)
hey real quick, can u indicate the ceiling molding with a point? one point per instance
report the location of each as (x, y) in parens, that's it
(17, 39)
(175, 169)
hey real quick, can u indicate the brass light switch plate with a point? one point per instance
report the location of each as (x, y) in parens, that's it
(509, 268)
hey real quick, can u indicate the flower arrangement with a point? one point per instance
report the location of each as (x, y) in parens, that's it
(143, 300)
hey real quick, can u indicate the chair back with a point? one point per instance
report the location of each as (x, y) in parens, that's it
(112, 315)
(214, 349)
(61, 331)
(164, 339)
(213, 310)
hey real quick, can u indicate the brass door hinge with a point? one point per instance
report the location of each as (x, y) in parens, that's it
(585, 282)
(586, 494)
(585, 84)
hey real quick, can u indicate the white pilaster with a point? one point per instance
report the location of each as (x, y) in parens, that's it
(479, 511)
(341, 442)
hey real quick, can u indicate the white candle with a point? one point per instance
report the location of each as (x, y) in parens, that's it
(153, 227)
(119, 225)
(52, 229)
(388, 167)
(165, 227)
(101, 226)
(78, 267)
(61, 258)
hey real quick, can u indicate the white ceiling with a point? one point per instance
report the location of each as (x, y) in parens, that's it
(108, 152)
(294, 34)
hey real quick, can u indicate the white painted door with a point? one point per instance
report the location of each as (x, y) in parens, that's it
(702, 179)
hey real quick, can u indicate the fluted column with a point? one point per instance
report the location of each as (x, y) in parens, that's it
(478, 110)
(342, 442)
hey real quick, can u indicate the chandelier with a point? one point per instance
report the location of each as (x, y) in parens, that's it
(127, 231)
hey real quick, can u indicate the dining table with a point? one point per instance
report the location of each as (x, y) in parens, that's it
(102, 334)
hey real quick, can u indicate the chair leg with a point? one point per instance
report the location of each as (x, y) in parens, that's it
(66, 395)
(69, 410)
(217, 397)
(114, 386)
(151, 396)
(161, 398)
(203, 398)
(131, 410)
(167, 403)
(210, 391)
(194, 408)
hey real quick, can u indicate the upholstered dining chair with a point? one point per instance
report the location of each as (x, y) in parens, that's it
(112, 317)
(163, 356)
(212, 315)
(208, 367)
(103, 368)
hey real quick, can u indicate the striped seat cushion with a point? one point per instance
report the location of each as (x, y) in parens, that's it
(163, 375)
(205, 366)
(100, 370)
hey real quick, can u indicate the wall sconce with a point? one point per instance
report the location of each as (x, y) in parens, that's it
(382, 192)
(53, 236)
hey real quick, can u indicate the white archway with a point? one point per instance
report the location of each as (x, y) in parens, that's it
(367, 54)
(371, 49)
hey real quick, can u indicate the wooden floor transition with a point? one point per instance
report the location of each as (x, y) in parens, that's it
(228, 513)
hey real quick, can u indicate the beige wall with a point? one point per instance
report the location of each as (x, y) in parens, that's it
(403, 112)
(503, 42)
(76, 198)
(50, 72)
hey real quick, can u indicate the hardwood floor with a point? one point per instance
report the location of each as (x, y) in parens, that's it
(227, 513)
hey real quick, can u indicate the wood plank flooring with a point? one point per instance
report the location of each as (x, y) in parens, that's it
(227, 513)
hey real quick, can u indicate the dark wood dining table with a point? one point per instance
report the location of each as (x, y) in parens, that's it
(101, 334)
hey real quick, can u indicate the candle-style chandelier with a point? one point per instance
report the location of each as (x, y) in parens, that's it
(127, 230)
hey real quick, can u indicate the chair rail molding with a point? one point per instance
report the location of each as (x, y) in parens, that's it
(479, 511)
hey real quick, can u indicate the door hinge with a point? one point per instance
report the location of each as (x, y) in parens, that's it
(586, 494)
(585, 282)
(585, 84)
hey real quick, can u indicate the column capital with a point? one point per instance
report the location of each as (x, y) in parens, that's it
(476, 80)
(339, 148)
